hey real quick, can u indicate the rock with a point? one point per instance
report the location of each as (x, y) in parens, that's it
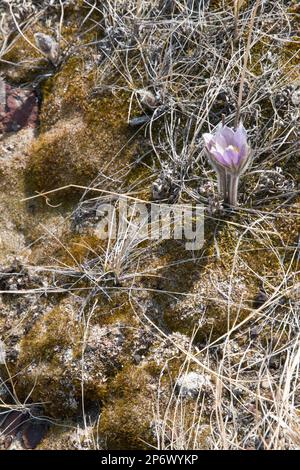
(189, 385)
(20, 425)
(48, 46)
(260, 299)
(148, 99)
(265, 384)
(238, 392)
(163, 187)
(7, 442)
(33, 433)
(296, 97)
(13, 422)
(139, 121)
(254, 333)
(18, 108)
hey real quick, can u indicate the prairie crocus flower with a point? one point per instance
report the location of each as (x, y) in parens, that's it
(229, 155)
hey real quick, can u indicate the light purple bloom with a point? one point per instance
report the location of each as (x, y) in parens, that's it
(229, 154)
(228, 148)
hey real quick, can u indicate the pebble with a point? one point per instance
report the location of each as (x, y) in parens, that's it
(260, 299)
(190, 384)
(18, 110)
(265, 384)
(48, 46)
(296, 97)
(139, 121)
(33, 433)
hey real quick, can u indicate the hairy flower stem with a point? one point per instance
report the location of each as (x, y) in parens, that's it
(222, 182)
(229, 155)
(233, 190)
(227, 186)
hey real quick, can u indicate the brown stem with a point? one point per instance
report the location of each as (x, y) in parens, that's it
(246, 57)
(236, 18)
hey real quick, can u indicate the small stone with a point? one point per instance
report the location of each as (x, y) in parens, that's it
(265, 384)
(148, 99)
(139, 121)
(48, 46)
(34, 431)
(13, 422)
(137, 358)
(254, 333)
(7, 442)
(189, 385)
(260, 299)
(237, 392)
(296, 97)
(20, 109)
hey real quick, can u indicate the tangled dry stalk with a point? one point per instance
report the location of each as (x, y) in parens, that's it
(185, 66)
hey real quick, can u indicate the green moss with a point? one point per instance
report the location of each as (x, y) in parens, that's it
(294, 12)
(290, 58)
(22, 61)
(140, 177)
(79, 248)
(205, 276)
(65, 93)
(127, 414)
(220, 4)
(58, 437)
(56, 328)
(40, 367)
(81, 135)
(258, 52)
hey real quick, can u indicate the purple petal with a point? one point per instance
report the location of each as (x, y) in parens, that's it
(208, 140)
(219, 158)
(218, 148)
(244, 151)
(240, 136)
(221, 141)
(231, 156)
(228, 149)
(243, 155)
(227, 134)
